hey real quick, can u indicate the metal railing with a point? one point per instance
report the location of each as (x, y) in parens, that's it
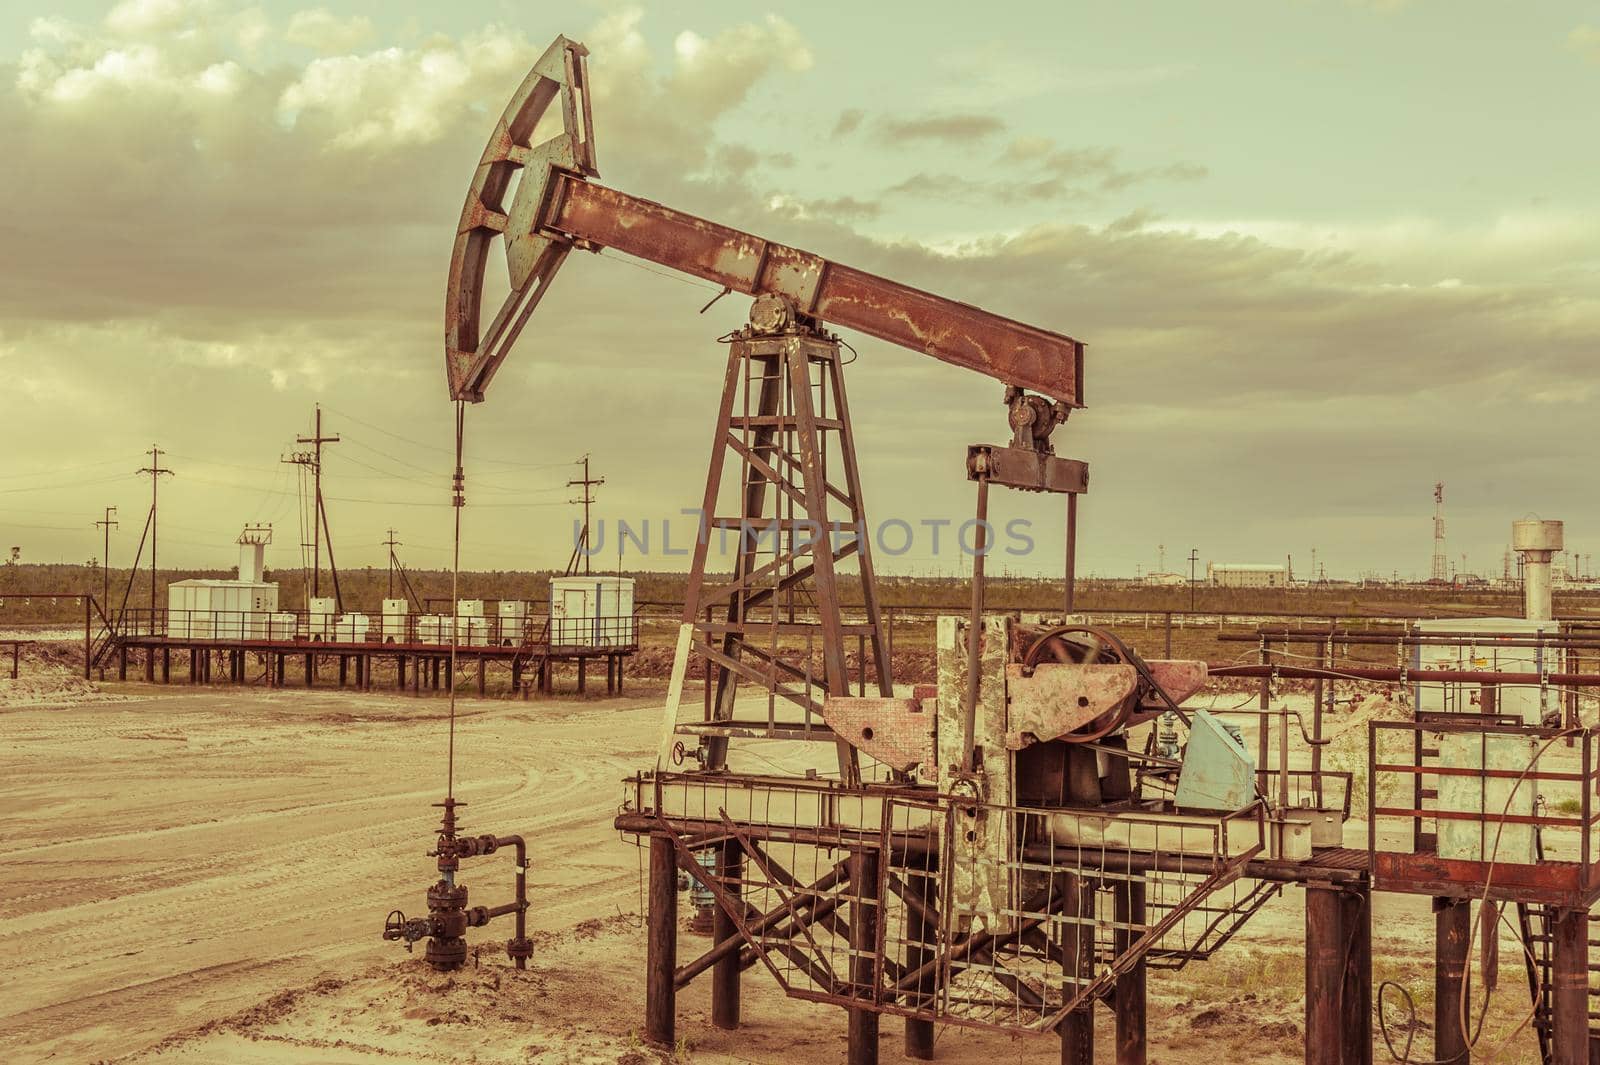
(1484, 800)
(355, 628)
(866, 896)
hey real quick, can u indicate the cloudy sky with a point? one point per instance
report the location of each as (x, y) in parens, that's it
(1324, 254)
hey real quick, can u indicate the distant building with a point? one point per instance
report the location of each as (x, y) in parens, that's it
(1247, 575)
(1165, 580)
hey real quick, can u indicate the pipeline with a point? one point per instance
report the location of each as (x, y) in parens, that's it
(1421, 676)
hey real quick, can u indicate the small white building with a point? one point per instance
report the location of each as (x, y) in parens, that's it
(592, 611)
(513, 622)
(1247, 575)
(240, 609)
(396, 613)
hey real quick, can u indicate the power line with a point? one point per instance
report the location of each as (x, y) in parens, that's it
(449, 451)
(376, 502)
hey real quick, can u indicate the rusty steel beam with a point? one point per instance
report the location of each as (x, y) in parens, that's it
(1355, 915)
(725, 974)
(1451, 976)
(1421, 676)
(1569, 993)
(588, 214)
(661, 953)
(1325, 976)
(861, 1046)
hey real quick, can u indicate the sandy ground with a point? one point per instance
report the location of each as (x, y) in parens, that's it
(201, 876)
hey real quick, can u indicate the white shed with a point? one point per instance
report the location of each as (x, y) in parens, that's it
(202, 609)
(592, 611)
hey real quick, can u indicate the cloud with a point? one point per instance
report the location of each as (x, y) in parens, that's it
(322, 30)
(1038, 170)
(256, 229)
(849, 121)
(948, 128)
(716, 74)
(396, 97)
(137, 17)
(1585, 40)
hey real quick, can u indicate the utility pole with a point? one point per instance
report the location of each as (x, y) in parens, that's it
(588, 484)
(319, 517)
(109, 522)
(391, 544)
(1194, 556)
(155, 470)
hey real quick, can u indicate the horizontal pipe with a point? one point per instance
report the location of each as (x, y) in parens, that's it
(1421, 676)
(1413, 639)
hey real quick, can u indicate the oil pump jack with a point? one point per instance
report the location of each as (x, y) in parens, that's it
(1004, 859)
(783, 418)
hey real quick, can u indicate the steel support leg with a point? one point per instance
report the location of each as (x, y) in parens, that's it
(725, 975)
(862, 1046)
(661, 958)
(1078, 962)
(1356, 926)
(1569, 993)
(920, 936)
(1130, 912)
(1325, 976)
(1452, 935)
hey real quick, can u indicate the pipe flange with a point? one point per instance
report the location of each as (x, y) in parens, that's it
(445, 896)
(519, 949)
(446, 953)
